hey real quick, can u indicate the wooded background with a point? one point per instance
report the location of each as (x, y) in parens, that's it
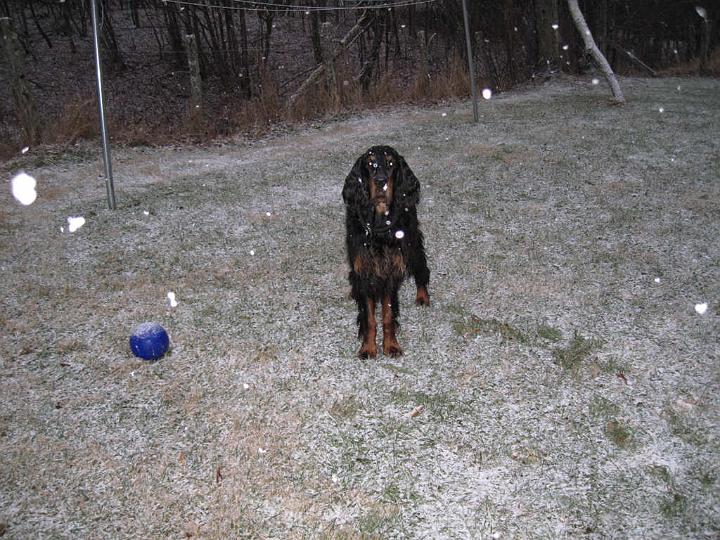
(254, 57)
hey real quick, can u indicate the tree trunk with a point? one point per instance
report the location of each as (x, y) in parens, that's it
(592, 48)
(315, 36)
(172, 25)
(372, 61)
(704, 41)
(245, 82)
(601, 25)
(546, 22)
(39, 28)
(134, 13)
(24, 104)
(232, 44)
(423, 79)
(330, 73)
(111, 49)
(266, 26)
(195, 78)
(350, 37)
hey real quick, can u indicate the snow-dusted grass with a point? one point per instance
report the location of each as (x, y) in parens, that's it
(555, 387)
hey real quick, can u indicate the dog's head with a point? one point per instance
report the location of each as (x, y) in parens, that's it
(381, 177)
(381, 166)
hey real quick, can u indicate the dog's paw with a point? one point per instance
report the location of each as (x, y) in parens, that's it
(393, 350)
(422, 298)
(368, 350)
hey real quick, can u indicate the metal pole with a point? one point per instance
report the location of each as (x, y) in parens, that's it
(110, 188)
(471, 63)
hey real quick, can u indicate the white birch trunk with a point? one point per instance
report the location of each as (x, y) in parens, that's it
(595, 52)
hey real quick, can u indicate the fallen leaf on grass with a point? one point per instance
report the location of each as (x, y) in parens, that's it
(620, 375)
(218, 475)
(417, 411)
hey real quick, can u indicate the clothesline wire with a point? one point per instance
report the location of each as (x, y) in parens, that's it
(273, 7)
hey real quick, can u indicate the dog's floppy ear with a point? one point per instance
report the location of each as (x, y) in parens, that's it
(355, 192)
(407, 189)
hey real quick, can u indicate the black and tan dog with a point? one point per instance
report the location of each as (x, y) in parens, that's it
(384, 243)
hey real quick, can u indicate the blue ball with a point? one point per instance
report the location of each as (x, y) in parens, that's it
(149, 341)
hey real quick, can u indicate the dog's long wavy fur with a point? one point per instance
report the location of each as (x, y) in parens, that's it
(384, 243)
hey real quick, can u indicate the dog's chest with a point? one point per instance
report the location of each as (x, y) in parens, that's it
(381, 261)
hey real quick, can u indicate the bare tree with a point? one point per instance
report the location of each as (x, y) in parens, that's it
(546, 23)
(592, 48)
(357, 30)
(24, 104)
(705, 40)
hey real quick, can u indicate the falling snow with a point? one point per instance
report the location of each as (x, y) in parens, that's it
(74, 223)
(23, 188)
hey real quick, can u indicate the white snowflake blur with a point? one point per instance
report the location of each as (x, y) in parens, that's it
(487, 93)
(701, 308)
(74, 223)
(399, 235)
(171, 299)
(23, 188)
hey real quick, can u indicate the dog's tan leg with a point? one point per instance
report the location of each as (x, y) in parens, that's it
(422, 298)
(369, 346)
(391, 347)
